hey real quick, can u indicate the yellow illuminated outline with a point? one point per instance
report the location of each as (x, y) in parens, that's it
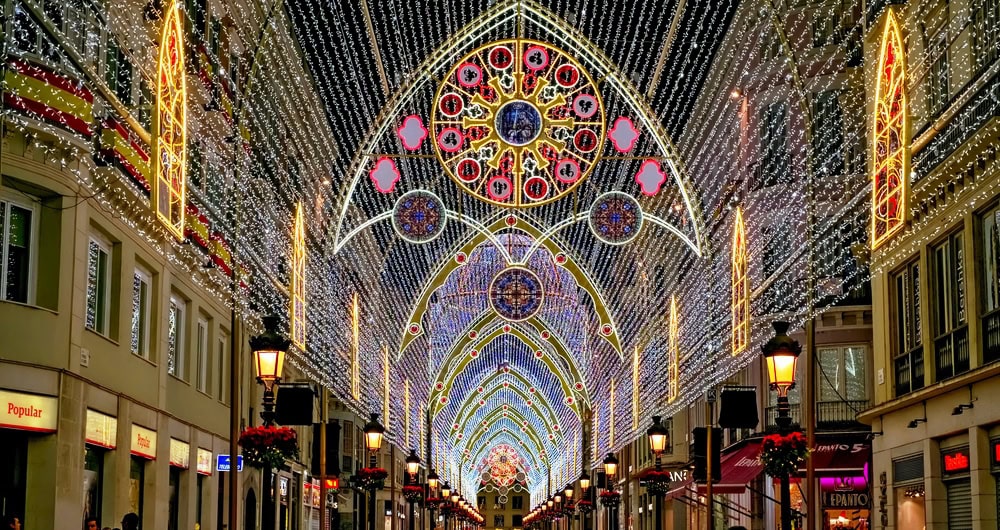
(740, 286)
(890, 160)
(406, 408)
(635, 388)
(385, 384)
(170, 188)
(611, 418)
(299, 281)
(355, 339)
(673, 353)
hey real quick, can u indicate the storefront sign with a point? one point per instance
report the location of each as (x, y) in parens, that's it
(143, 442)
(995, 445)
(204, 462)
(956, 461)
(102, 430)
(283, 489)
(224, 463)
(316, 492)
(180, 454)
(27, 412)
(846, 499)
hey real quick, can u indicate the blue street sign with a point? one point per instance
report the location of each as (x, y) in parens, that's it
(224, 463)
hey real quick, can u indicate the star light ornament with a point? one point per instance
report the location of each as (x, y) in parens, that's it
(384, 175)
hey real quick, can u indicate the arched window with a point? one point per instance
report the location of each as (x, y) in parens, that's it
(169, 192)
(740, 286)
(890, 160)
(299, 281)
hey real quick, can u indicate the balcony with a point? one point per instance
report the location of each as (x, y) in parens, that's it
(991, 337)
(951, 353)
(909, 371)
(829, 415)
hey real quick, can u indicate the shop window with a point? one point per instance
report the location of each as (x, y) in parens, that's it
(141, 295)
(13, 471)
(199, 502)
(988, 255)
(17, 235)
(98, 315)
(173, 507)
(908, 363)
(959, 495)
(93, 481)
(201, 336)
(175, 337)
(136, 485)
(951, 336)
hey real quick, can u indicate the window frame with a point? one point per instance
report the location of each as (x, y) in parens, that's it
(103, 245)
(145, 351)
(912, 347)
(223, 368)
(179, 370)
(203, 352)
(949, 312)
(34, 207)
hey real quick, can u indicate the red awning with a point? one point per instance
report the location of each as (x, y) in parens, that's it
(738, 468)
(839, 456)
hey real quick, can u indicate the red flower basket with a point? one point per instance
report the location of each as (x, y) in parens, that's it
(657, 482)
(585, 506)
(268, 446)
(413, 493)
(373, 478)
(611, 499)
(782, 455)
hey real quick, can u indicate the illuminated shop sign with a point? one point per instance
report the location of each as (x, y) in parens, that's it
(102, 430)
(204, 461)
(180, 454)
(143, 442)
(956, 461)
(27, 412)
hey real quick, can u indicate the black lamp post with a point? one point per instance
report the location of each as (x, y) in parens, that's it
(610, 470)
(412, 468)
(269, 350)
(432, 486)
(658, 439)
(585, 494)
(781, 355)
(374, 432)
(568, 494)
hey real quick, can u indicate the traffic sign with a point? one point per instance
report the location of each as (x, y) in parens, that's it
(224, 463)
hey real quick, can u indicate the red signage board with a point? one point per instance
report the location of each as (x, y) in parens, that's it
(956, 461)
(996, 452)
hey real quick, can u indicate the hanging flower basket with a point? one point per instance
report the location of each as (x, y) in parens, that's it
(611, 499)
(782, 455)
(432, 502)
(657, 482)
(413, 493)
(585, 506)
(268, 446)
(373, 478)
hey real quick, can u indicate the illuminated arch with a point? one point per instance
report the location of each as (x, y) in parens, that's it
(483, 437)
(740, 286)
(511, 439)
(169, 191)
(890, 141)
(539, 402)
(298, 290)
(473, 433)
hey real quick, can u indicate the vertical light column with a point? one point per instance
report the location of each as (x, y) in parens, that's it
(170, 139)
(298, 289)
(740, 286)
(673, 352)
(355, 343)
(890, 138)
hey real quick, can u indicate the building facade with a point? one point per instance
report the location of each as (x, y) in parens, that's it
(934, 282)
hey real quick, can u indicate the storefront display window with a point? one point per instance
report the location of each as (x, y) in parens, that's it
(136, 485)
(93, 481)
(13, 471)
(174, 513)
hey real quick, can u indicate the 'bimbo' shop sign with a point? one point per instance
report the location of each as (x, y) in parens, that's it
(28, 412)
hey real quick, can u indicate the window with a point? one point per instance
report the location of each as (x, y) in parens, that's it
(146, 104)
(951, 337)
(824, 29)
(202, 337)
(93, 481)
(215, 38)
(173, 504)
(842, 383)
(517, 520)
(136, 485)
(985, 32)
(827, 134)
(98, 286)
(938, 77)
(773, 164)
(118, 72)
(141, 294)
(498, 521)
(16, 233)
(195, 19)
(175, 337)
(24, 29)
(517, 502)
(908, 348)
(988, 238)
(54, 12)
(223, 368)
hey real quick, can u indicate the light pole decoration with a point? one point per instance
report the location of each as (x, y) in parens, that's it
(657, 481)
(372, 477)
(570, 508)
(413, 492)
(783, 452)
(611, 498)
(431, 500)
(585, 505)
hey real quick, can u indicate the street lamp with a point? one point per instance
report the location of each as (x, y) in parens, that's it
(584, 482)
(374, 432)
(432, 481)
(269, 360)
(611, 469)
(658, 439)
(568, 493)
(412, 468)
(781, 355)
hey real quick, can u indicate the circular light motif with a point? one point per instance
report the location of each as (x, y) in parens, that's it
(508, 113)
(418, 216)
(615, 218)
(516, 294)
(518, 123)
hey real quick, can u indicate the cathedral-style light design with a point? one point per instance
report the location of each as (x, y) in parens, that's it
(890, 157)
(170, 161)
(740, 286)
(299, 281)
(673, 353)
(355, 345)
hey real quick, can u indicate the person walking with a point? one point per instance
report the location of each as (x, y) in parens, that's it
(90, 523)
(130, 521)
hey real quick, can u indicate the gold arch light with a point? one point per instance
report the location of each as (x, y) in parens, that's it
(890, 159)
(740, 286)
(170, 187)
(299, 281)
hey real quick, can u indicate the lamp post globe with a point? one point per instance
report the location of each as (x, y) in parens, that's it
(584, 481)
(610, 466)
(781, 355)
(412, 464)
(374, 433)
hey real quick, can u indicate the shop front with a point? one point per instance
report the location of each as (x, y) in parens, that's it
(22, 418)
(99, 440)
(840, 461)
(143, 451)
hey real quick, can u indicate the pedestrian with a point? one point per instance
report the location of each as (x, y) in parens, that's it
(90, 523)
(130, 521)
(11, 522)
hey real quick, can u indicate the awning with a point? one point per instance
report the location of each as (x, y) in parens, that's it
(839, 455)
(739, 467)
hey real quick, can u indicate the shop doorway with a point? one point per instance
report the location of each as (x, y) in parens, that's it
(13, 473)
